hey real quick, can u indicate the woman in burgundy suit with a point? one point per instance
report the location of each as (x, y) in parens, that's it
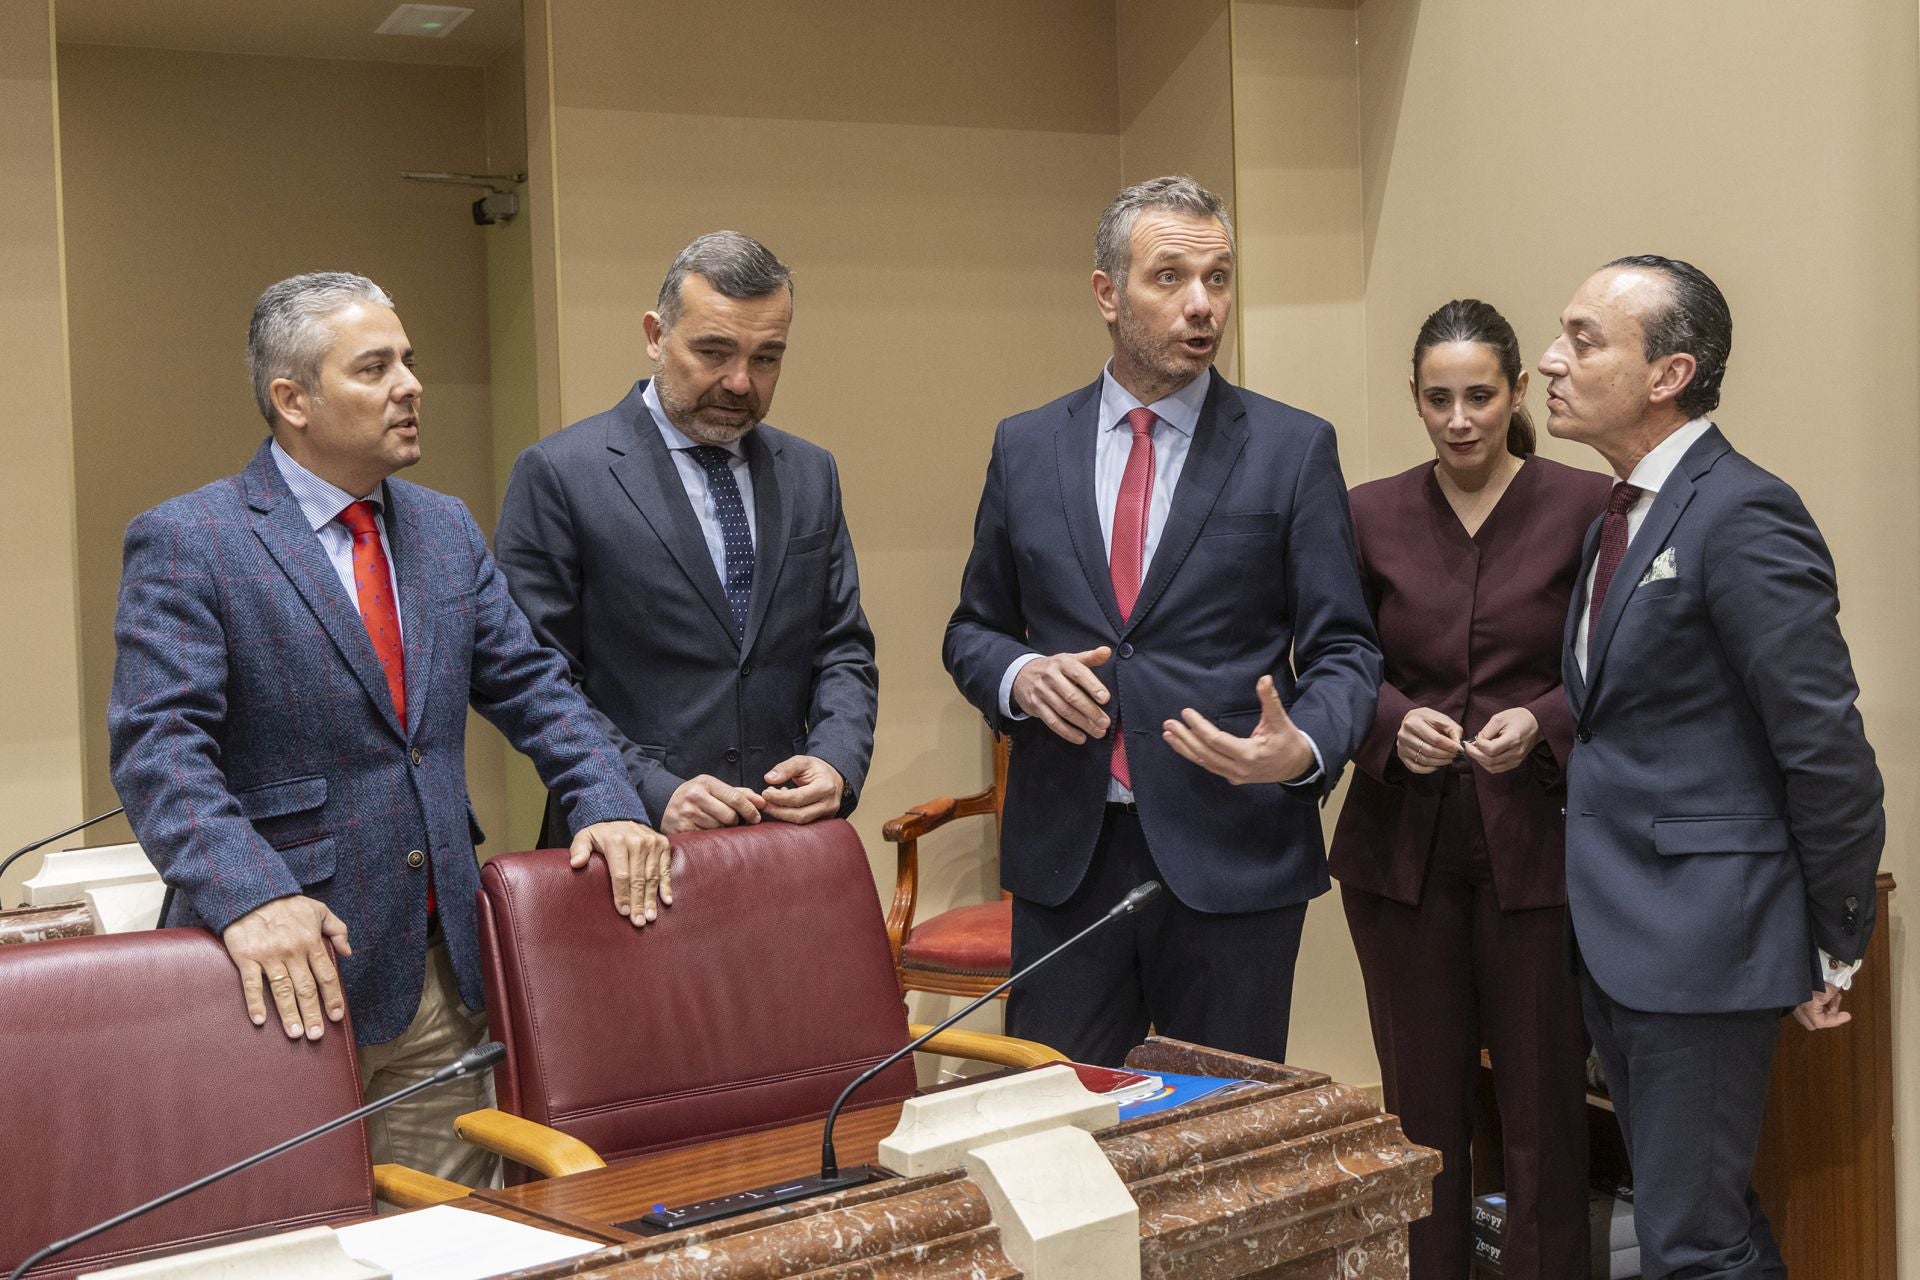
(1450, 850)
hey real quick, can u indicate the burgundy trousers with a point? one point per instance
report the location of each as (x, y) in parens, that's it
(1445, 978)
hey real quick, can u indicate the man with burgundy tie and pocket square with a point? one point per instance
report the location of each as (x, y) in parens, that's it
(693, 566)
(1724, 818)
(297, 647)
(1162, 609)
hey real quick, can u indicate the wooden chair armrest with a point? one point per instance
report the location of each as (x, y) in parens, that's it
(412, 1189)
(931, 815)
(548, 1152)
(984, 1046)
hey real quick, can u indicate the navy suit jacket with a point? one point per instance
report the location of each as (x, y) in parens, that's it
(1723, 806)
(604, 553)
(257, 749)
(1254, 575)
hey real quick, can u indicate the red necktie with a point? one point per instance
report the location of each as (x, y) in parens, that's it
(373, 583)
(1130, 547)
(1613, 545)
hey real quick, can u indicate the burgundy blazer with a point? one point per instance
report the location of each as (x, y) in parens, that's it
(1469, 627)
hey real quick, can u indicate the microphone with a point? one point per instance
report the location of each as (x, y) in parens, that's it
(831, 1177)
(478, 1058)
(26, 849)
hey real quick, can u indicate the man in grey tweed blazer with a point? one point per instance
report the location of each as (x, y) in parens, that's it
(297, 647)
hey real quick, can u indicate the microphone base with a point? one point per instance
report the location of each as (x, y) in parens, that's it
(704, 1211)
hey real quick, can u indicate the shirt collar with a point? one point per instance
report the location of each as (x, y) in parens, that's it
(1179, 410)
(674, 436)
(320, 501)
(1653, 470)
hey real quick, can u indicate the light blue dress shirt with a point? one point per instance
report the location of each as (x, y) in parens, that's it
(321, 503)
(693, 478)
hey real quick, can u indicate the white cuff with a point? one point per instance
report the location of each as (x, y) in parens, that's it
(1840, 975)
(1006, 686)
(1319, 767)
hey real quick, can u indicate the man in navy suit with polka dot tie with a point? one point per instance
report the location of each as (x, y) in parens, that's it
(694, 567)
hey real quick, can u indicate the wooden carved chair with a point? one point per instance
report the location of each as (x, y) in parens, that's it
(965, 951)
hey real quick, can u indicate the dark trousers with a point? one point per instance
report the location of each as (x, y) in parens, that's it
(1445, 978)
(1219, 980)
(1689, 1090)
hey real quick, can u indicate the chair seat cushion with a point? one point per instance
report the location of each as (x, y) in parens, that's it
(970, 940)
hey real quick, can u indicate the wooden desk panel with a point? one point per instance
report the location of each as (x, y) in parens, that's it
(581, 1202)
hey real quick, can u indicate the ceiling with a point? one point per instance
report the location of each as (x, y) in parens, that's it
(287, 28)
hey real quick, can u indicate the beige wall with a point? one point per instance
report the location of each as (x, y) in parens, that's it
(1510, 147)
(40, 738)
(193, 180)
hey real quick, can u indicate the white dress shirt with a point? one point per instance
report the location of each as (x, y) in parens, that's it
(1649, 476)
(1178, 414)
(321, 503)
(693, 478)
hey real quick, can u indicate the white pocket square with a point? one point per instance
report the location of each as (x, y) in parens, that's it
(1661, 569)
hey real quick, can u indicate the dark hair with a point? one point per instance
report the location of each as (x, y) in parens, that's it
(1695, 320)
(1471, 320)
(736, 265)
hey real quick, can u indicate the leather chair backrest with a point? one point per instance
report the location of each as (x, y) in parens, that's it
(751, 1002)
(127, 1068)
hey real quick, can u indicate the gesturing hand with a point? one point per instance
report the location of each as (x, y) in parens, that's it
(1275, 751)
(1823, 1011)
(281, 946)
(1427, 740)
(639, 863)
(1062, 692)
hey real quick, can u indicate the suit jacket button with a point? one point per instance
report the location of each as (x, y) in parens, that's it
(1563, 811)
(746, 671)
(414, 756)
(1126, 651)
(416, 859)
(1585, 734)
(733, 755)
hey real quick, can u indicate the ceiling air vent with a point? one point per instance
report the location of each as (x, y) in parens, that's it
(431, 21)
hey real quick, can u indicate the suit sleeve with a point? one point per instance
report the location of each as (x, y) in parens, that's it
(165, 718)
(1775, 607)
(539, 551)
(987, 631)
(1335, 653)
(524, 690)
(846, 680)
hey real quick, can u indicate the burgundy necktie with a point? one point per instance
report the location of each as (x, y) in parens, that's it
(1613, 545)
(1129, 548)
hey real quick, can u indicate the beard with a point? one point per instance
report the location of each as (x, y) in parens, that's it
(1163, 357)
(687, 415)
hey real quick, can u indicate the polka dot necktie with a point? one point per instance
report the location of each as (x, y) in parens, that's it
(373, 584)
(1129, 548)
(735, 536)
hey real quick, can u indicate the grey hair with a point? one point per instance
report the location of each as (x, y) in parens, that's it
(736, 265)
(1175, 193)
(289, 336)
(1696, 320)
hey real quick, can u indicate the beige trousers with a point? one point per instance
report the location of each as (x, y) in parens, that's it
(419, 1133)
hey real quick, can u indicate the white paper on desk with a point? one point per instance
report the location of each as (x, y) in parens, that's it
(449, 1243)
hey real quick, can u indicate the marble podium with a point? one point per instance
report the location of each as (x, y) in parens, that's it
(1294, 1178)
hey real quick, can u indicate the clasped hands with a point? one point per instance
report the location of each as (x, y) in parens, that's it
(280, 947)
(1429, 741)
(1062, 692)
(799, 789)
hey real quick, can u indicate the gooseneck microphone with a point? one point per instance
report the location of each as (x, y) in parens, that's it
(831, 1177)
(24, 850)
(478, 1058)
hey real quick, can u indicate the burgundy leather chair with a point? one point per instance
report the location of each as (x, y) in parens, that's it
(750, 1002)
(128, 1068)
